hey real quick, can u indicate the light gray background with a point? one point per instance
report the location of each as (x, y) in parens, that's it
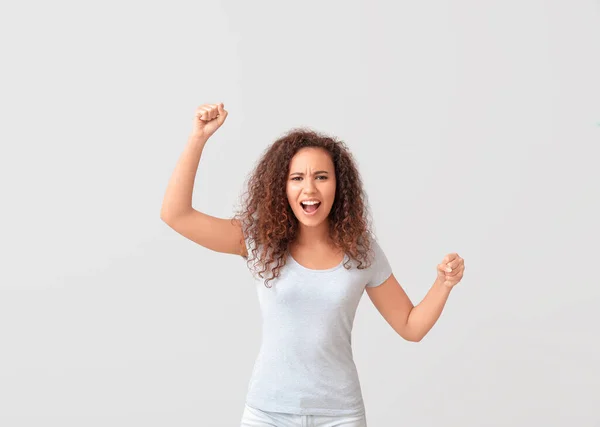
(475, 126)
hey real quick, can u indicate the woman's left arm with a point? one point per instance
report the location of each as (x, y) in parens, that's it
(414, 322)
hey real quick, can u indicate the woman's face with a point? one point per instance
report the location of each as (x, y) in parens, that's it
(311, 176)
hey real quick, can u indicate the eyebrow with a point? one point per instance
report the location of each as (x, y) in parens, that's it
(300, 173)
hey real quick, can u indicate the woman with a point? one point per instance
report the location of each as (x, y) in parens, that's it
(305, 225)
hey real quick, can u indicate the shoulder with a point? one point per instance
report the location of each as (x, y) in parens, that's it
(375, 247)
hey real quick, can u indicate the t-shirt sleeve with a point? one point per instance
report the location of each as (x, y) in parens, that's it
(247, 242)
(380, 270)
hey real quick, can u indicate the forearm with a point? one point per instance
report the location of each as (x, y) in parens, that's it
(424, 315)
(178, 196)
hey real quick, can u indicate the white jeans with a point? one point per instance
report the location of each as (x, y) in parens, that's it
(253, 417)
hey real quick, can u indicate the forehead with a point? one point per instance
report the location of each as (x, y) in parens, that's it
(311, 158)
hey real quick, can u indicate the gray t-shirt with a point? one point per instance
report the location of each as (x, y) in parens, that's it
(305, 364)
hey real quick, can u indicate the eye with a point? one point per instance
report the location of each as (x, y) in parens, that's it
(295, 178)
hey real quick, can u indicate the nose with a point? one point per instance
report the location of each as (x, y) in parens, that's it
(309, 186)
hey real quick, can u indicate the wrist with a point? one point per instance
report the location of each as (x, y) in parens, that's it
(198, 138)
(439, 284)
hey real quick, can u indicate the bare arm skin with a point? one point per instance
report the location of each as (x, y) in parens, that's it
(217, 234)
(414, 322)
(410, 322)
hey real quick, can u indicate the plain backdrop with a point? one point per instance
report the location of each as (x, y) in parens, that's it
(475, 126)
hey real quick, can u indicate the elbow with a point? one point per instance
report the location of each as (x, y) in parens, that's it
(170, 215)
(166, 217)
(163, 214)
(410, 336)
(413, 338)
(407, 333)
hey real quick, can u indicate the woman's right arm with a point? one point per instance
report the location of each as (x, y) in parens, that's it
(217, 234)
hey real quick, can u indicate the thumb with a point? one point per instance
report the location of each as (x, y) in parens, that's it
(443, 268)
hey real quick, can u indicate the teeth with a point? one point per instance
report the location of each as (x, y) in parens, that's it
(311, 202)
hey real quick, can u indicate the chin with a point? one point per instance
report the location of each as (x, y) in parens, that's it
(310, 224)
(310, 221)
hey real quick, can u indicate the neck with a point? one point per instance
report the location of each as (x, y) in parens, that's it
(310, 236)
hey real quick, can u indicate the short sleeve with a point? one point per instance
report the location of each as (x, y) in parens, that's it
(247, 243)
(250, 243)
(380, 270)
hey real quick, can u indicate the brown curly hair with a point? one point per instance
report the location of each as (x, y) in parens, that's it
(267, 218)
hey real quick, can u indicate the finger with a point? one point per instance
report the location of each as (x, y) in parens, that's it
(212, 111)
(447, 259)
(448, 267)
(203, 113)
(452, 279)
(455, 263)
(443, 268)
(456, 271)
(208, 112)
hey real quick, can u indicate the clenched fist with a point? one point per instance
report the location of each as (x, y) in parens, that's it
(208, 118)
(450, 271)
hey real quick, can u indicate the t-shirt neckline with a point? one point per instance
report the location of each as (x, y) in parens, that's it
(327, 270)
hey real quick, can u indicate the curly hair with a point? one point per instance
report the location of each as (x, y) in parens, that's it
(267, 218)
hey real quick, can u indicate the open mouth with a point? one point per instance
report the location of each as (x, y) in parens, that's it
(311, 208)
